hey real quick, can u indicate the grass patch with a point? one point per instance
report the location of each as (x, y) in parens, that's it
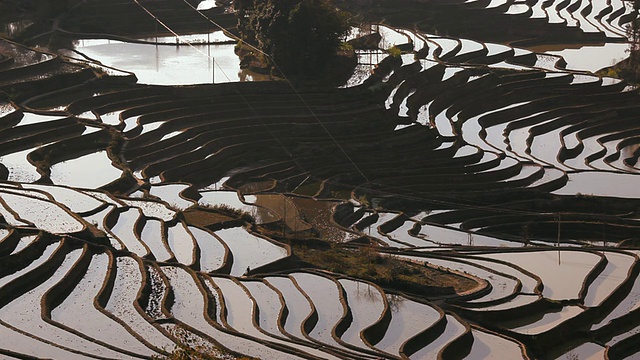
(210, 216)
(388, 271)
(184, 352)
(187, 348)
(231, 211)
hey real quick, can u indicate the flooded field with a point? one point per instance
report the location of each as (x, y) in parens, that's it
(167, 64)
(466, 190)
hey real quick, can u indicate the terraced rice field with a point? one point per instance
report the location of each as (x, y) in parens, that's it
(141, 209)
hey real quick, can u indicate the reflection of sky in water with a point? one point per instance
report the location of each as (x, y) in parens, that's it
(216, 36)
(489, 346)
(20, 169)
(16, 27)
(89, 171)
(408, 319)
(6, 109)
(602, 184)
(30, 118)
(170, 193)
(592, 58)
(249, 250)
(166, 64)
(549, 321)
(367, 305)
(207, 4)
(562, 272)
(228, 198)
(390, 37)
(585, 351)
(45, 215)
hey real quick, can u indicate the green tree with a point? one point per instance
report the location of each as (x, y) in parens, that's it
(300, 37)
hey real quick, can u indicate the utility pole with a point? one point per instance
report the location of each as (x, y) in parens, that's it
(284, 217)
(559, 221)
(213, 60)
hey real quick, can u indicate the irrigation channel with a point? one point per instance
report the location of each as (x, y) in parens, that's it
(484, 182)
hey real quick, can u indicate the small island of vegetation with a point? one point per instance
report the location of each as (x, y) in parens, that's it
(299, 39)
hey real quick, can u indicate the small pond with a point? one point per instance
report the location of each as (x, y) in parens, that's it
(589, 57)
(601, 184)
(168, 64)
(89, 171)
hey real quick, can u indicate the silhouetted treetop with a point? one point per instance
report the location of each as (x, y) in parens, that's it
(300, 36)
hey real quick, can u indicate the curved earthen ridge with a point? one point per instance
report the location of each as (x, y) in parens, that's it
(248, 217)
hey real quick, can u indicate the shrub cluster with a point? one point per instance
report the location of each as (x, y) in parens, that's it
(300, 37)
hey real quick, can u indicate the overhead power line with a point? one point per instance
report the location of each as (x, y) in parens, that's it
(304, 102)
(450, 204)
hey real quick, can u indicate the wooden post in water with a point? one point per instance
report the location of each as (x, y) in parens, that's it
(284, 217)
(559, 222)
(213, 60)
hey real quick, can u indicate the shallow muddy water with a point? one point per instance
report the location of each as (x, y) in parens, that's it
(212, 253)
(502, 286)
(447, 236)
(549, 321)
(589, 57)
(20, 169)
(189, 307)
(88, 171)
(125, 230)
(324, 295)
(249, 251)
(76, 201)
(47, 255)
(94, 323)
(613, 275)
(627, 305)
(43, 214)
(489, 346)
(169, 64)
(298, 305)
(586, 351)
(516, 302)
(453, 330)
(152, 209)
(497, 118)
(170, 194)
(181, 244)
(268, 303)
(24, 243)
(152, 236)
(127, 284)
(601, 184)
(366, 303)
(26, 315)
(407, 320)
(562, 272)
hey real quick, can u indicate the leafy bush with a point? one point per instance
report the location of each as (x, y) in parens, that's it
(188, 348)
(301, 37)
(394, 51)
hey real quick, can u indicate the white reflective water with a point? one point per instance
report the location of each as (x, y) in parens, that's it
(88, 171)
(168, 64)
